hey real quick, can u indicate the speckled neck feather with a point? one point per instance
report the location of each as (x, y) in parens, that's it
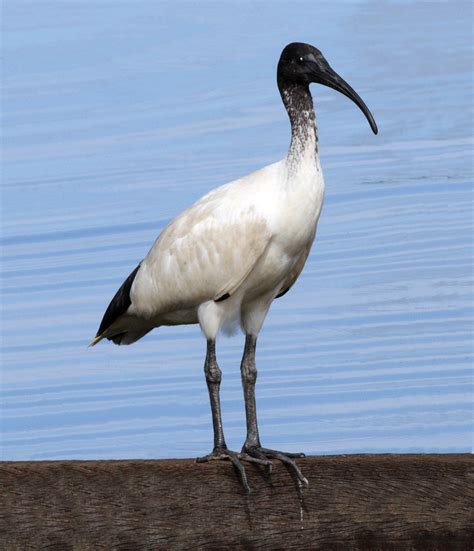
(299, 105)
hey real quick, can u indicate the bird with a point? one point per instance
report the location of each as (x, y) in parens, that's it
(223, 261)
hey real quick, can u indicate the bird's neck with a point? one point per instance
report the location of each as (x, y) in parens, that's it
(304, 137)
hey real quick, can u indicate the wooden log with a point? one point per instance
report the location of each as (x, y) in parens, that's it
(355, 502)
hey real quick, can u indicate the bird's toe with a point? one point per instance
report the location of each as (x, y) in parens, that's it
(287, 458)
(229, 455)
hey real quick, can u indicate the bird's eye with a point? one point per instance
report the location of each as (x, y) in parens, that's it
(300, 60)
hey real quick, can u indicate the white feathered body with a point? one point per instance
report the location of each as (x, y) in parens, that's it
(244, 243)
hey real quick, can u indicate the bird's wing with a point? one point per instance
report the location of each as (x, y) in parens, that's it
(204, 254)
(254, 252)
(117, 307)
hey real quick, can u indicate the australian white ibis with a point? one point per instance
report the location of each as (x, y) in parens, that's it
(223, 261)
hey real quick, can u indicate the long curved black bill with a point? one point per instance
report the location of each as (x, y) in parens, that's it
(333, 80)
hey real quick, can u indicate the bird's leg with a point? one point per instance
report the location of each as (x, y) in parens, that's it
(252, 446)
(213, 378)
(248, 371)
(220, 451)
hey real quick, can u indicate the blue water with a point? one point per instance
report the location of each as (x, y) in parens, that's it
(118, 115)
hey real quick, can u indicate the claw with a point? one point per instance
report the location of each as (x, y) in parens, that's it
(240, 468)
(288, 461)
(256, 455)
(234, 457)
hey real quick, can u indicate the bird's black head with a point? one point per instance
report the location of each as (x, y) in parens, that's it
(302, 64)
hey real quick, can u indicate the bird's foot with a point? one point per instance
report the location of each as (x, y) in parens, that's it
(287, 458)
(236, 459)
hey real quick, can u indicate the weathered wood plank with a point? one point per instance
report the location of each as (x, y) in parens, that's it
(363, 502)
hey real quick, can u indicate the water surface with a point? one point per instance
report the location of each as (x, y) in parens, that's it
(117, 116)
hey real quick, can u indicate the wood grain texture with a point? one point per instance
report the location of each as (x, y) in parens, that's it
(357, 502)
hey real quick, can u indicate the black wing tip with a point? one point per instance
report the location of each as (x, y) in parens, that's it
(119, 304)
(223, 297)
(283, 292)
